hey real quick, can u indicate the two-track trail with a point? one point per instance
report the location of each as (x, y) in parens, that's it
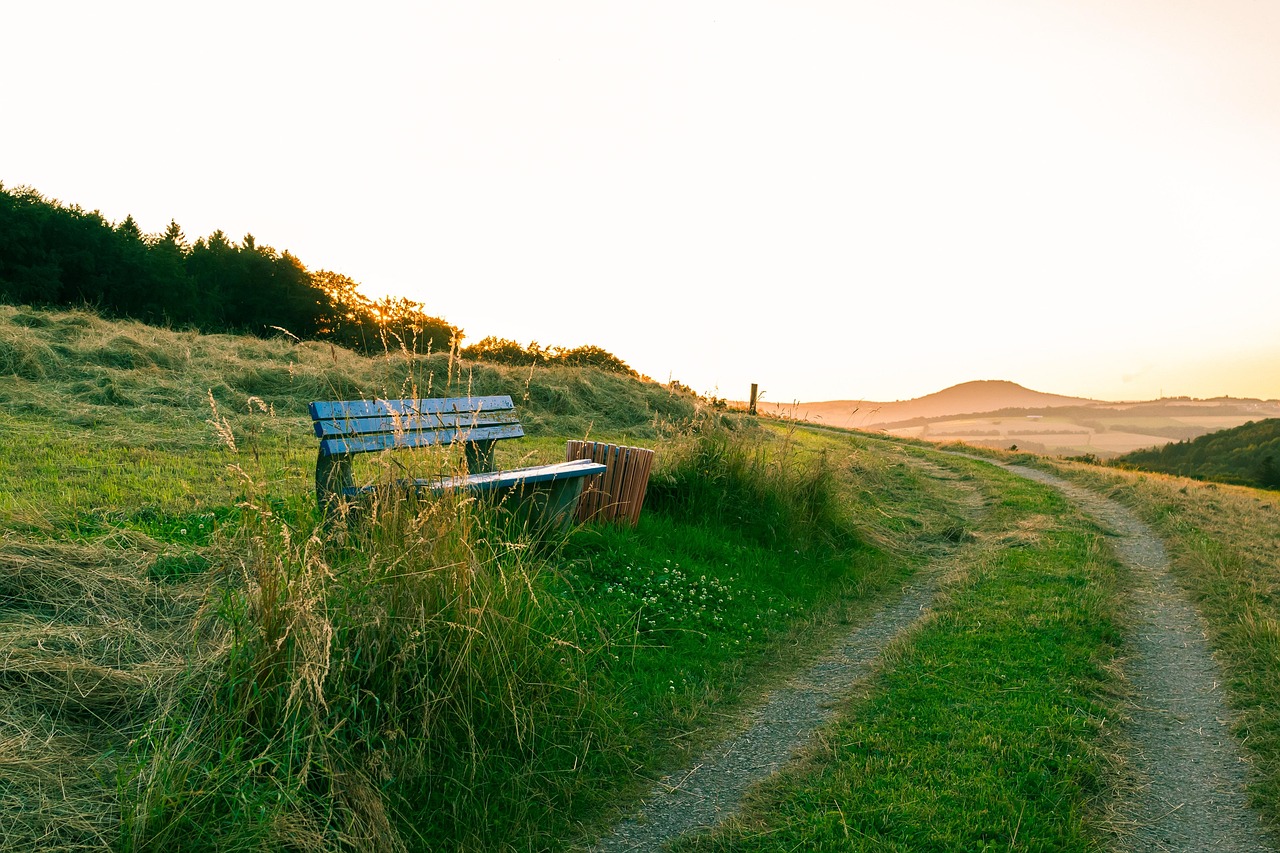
(698, 797)
(1189, 787)
(1186, 790)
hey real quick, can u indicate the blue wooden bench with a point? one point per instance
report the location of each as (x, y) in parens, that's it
(346, 428)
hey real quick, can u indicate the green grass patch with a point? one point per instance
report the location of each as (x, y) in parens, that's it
(435, 680)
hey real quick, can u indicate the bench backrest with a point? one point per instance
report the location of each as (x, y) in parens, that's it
(363, 426)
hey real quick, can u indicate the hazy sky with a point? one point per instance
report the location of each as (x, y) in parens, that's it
(868, 200)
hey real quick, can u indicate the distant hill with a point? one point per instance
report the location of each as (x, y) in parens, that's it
(1005, 414)
(1248, 455)
(966, 398)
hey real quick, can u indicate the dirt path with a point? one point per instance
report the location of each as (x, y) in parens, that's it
(1190, 778)
(698, 798)
(1188, 791)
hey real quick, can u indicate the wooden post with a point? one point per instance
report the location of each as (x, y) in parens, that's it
(751, 407)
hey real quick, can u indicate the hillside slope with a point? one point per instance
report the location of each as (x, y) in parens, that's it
(1247, 455)
(83, 370)
(173, 621)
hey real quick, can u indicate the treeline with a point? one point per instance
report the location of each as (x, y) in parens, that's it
(504, 351)
(57, 255)
(1247, 455)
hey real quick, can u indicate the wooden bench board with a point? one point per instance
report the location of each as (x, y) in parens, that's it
(348, 409)
(329, 427)
(494, 480)
(417, 438)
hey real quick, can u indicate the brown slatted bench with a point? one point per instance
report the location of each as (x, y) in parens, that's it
(346, 428)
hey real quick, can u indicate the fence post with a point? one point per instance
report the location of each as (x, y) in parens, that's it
(751, 407)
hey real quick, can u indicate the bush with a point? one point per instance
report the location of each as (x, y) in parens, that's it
(503, 351)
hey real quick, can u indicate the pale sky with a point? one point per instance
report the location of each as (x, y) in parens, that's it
(837, 200)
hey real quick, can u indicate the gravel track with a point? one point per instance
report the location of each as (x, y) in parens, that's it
(1190, 776)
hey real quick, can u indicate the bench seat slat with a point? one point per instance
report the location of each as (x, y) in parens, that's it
(417, 438)
(494, 480)
(334, 427)
(347, 409)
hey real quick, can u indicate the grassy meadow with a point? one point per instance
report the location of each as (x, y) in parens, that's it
(190, 661)
(985, 730)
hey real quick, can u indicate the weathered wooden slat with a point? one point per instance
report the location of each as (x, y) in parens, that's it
(614, 477)
(348, 409)
(642, 486)
(425, 438)
(493, 480)
(331, 427)
(619, 494)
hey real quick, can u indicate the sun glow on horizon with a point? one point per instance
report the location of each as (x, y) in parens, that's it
(833, 200)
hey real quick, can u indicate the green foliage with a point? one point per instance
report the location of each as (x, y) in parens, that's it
(375, 690)
(178, 567)
(353, 320)
(503, 351)
(770, 490)
(1245, 455)
(53, 255)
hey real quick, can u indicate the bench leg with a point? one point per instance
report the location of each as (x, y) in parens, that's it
(562, 503)
(333, 474)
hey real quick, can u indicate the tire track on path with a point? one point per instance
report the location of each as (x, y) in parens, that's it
(1190, 791)
(699, 797)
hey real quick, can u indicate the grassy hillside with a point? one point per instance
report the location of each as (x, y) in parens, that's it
(105, 415)
(1246, 455)
(189, 662)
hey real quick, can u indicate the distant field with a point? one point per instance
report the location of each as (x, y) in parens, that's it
(1103, 436)
(1000, 414)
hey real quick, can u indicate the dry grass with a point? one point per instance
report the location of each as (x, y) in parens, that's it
(75, 367)
(86, 645)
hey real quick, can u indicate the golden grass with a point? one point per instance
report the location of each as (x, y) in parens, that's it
(86, 644)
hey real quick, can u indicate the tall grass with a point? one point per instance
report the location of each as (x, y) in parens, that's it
(431, 678)
(412, 685)
(760, 484)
